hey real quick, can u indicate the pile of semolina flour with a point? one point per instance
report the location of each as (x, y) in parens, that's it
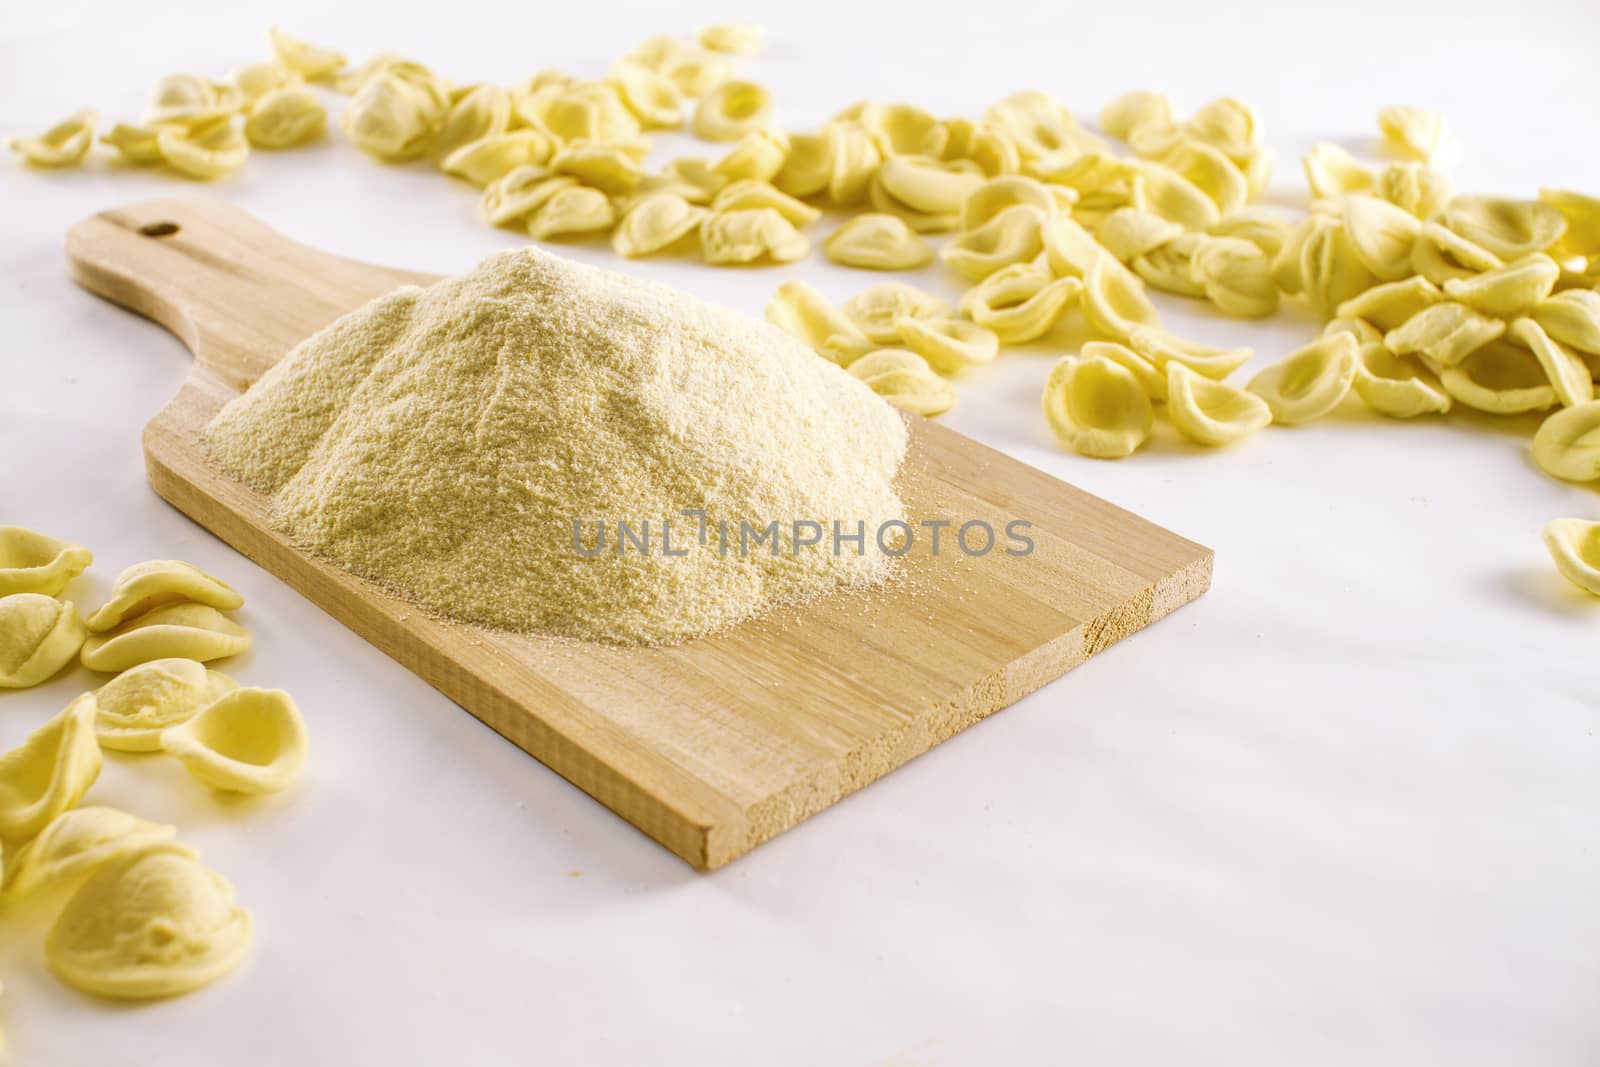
(441, 442)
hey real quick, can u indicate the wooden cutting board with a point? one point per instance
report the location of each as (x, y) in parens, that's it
(716, 745)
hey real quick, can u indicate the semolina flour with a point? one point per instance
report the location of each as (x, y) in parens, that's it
(442, 442)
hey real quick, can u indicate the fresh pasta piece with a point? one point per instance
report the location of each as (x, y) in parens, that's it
(1391, 305)
(154, 923)
(189, 102)
(313, 63)
(994, 153)
(1227, 124)
(694, 179)
(733, 38)
(1396, 386)
(519, 193)
(758, 157)
(1415, 187)
(1131, 110)
(801, 311)
(155, 582)
(926, 192)
(1011, 236)
(1128, 233)
(138, 146)
(172, 631)
(1574, 546)
(77, 842)
(63, 145)
(876, 312)
(1152, 379)
(1444, 333)
(878, 242)
(1113, 299)
(32, 562)
(1020, 302)
(393, 117)
(1262, 227)
(1212, 412)
(1582, 212)
(855, 160)
(747, 235)
(807, 166)
(1512, 290)
(1096, 407)
(1236, 276)
(1331, 269)
(1175, 198)
(654, 223)
(483, 110)
(1040, 127)
(951, 346)
(1500, 378)
(905, 380)
(1505, 227)
(1161, 348)
(1333, 171)
(580, 111)
(490, 158)
(49, 772)
(208, 153)
(284, 118)
(1168, 266)
(1571, 316)
(133, 708)
(39, 635)
(255, 80)
(576, 209)
(1212, 172)
(1416, 133)
(609, 168)
(752, 195)
(732, 110)
(1382, 235)
(1308, 383)
(1568, 375)
(1567, 444)
(655, 99)
(904, 130)
(250, 741)
(1441, 254)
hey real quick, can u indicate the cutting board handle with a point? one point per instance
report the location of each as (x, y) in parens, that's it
(199, 267)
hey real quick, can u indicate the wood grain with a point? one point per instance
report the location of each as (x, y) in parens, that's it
(713, 746)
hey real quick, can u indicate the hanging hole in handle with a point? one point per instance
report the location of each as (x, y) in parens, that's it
(159, 229)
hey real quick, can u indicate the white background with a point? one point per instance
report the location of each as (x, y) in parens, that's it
(1341, 810)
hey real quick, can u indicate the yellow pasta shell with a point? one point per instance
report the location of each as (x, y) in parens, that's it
(1211, 412)
(1013, 235)
(1574, 546)
(749, 195)
(308, 60)
(39, 635)
(174, 631)
(1515, 289)
(1567, 444)
(576, 209)
(63, 145)
(1571, 317)
(148, 585)
(877, 242)
(154, 923)
(732, 110)
(1500, 378)
(1505, 227)
(207, 153)
(284, 118)
(951, 346)
(876, 312)
(133, 708)
(1096, 407)
(905, 380)
(75, 843)
(49, 772)
(751, 234)
(1396, 386)
(1310, 382)
(250, 741)
(32, 562)
(1568, 375)
(489, 158)
(801, 311)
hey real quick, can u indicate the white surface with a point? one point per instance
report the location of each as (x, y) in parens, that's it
(1341, 810)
